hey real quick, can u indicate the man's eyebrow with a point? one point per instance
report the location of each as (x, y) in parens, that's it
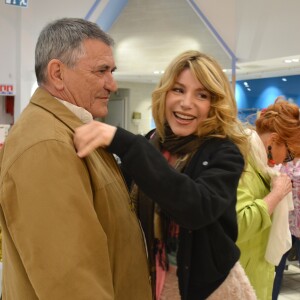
(107, 67)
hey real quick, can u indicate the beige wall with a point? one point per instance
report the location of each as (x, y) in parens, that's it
(139, 101)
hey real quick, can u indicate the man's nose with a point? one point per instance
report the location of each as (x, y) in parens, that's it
(110, 83)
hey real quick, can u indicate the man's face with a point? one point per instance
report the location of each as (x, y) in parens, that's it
(90, 82)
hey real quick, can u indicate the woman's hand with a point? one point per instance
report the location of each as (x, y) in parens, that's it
(92, 135)
(281, 186)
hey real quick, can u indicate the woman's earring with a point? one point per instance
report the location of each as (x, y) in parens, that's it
(270, 157)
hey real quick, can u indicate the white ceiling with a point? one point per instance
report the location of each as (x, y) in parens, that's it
(260, 34)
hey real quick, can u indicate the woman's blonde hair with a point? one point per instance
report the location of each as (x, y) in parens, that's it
(222, 119)
(282, 117)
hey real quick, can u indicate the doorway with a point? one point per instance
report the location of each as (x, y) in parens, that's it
(118, 109)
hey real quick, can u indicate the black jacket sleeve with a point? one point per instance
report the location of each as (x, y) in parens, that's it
(195, 198)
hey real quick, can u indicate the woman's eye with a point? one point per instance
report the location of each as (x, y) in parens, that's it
(177, 90)
(204, 95)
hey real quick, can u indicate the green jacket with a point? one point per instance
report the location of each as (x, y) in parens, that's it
(68, 228)
(254, 224)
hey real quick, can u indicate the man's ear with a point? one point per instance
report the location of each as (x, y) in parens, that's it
(55, 71)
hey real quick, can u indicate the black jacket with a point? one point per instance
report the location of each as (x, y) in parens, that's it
(201, 200)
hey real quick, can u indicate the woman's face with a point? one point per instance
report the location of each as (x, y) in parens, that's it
(187, 104)
(279, 151)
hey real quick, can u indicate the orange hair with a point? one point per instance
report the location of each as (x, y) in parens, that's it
(282, 117)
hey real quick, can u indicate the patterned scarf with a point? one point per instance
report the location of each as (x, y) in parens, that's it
(167, 231)
(178, 145)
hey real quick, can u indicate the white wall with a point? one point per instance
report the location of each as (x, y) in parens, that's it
(19, 30)
(140, 101)
(9, 24)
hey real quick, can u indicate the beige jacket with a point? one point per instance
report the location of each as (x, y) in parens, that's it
(68, 229)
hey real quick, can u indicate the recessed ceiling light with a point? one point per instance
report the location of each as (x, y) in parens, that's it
(292, 60)
(284, 79)
(246, 84)
(249, 89)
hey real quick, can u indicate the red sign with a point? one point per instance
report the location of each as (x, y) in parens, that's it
(6, 89)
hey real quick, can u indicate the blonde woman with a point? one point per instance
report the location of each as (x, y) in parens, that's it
(190, 169)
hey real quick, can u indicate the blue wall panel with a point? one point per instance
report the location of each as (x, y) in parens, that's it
(264, 91)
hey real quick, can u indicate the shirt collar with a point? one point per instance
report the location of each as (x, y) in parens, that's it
(80, 112)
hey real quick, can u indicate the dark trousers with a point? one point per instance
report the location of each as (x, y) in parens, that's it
(281, 267)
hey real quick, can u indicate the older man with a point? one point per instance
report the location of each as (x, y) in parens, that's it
(68, 228)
